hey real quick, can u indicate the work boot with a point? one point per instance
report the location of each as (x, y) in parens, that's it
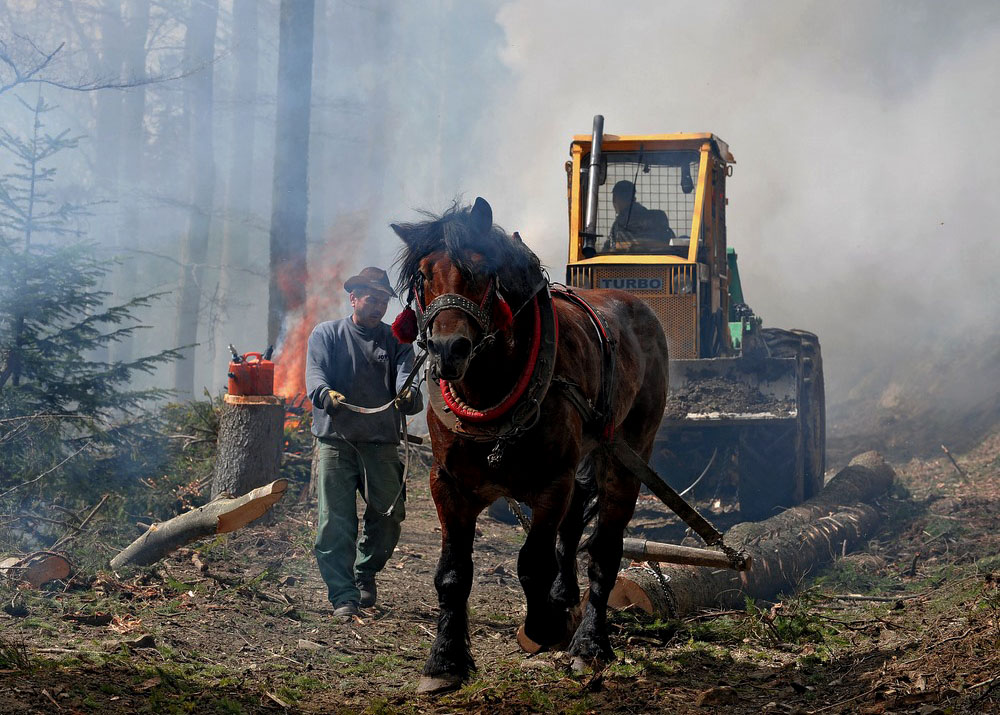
(347, 609)
(366, 585)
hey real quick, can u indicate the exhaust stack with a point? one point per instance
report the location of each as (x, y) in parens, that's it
(593, 185)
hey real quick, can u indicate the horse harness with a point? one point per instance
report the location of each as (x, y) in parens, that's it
(520, 410)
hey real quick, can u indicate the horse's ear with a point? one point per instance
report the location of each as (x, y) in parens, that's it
(482, 216)
(401, 232)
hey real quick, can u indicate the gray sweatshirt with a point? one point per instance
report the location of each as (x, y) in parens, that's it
(368, 366)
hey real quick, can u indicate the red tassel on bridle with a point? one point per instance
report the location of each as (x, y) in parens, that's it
(404, 327)
(503, 318)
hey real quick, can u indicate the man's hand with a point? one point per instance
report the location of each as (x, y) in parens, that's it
(331, 401)
(404, 401)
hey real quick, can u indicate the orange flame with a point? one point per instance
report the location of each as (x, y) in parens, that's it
(325, 300)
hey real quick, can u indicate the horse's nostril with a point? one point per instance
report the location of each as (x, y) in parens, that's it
(462, 348)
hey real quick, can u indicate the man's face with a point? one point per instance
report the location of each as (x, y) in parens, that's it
(369, 306)
(620, 202)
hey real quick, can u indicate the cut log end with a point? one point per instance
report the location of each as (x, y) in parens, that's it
(253, 400)
(260, 500)
(36, 569)
(634, 588)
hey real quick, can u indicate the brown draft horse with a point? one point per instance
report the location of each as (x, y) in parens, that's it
(482, 296)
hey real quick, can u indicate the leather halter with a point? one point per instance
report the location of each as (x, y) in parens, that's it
(521, 411)
(481, 313)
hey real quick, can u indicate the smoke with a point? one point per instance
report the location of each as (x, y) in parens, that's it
(862, 205)
(863, 202)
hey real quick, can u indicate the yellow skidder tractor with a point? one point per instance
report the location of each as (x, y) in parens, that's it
(647, 215)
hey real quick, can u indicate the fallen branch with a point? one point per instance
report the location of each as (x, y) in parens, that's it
(217, 517)
(77, 530)
(958, 469)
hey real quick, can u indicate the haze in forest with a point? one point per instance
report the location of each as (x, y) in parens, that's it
(862, 204)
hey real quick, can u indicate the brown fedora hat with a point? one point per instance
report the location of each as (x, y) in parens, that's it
(371, 277)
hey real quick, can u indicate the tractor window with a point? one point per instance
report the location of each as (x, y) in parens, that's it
(658, 218)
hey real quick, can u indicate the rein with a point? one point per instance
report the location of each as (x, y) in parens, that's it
(406, 437)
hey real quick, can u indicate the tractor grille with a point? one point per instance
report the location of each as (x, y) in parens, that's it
(579, 277)
(669, 290)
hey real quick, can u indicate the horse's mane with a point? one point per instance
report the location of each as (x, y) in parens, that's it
(455, 232)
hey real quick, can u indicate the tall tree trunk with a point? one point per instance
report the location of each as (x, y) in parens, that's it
(290, 199)
(327, 115)
(132, 153)
(379, 26)
(199, 49)
(109, 104)
(235, 238)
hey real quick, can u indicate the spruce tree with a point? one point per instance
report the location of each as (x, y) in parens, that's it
(62, 408)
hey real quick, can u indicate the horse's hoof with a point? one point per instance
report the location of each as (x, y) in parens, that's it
(527, 645)
(435, 685)
(581, 667)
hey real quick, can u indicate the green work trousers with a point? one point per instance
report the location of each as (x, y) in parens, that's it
(342, 471)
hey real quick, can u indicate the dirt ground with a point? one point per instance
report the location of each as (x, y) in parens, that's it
(910, 625)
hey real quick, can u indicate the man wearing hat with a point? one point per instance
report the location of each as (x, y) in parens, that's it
(356, 360)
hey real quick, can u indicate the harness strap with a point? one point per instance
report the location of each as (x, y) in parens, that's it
(600, 415)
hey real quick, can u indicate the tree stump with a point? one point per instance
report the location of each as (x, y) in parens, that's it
(251, 432)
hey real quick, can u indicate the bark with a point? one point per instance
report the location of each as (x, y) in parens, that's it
(251, 431)
(784, 548)
(290, 198)
(37, 568)
(217, 517)
(199, 50)
(236, 235)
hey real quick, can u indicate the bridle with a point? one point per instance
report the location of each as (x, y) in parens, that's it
(480, 312)
(493, 315)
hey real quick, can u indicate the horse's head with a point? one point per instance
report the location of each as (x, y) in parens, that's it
(460, 270)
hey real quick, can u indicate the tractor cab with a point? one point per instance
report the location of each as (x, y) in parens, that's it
(648, 215)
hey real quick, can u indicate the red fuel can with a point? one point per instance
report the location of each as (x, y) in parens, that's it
(240, 379)
(262, 373)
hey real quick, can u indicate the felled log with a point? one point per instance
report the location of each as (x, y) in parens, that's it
(784, 548)
(251, 432)
(217, 517)
(36, 569)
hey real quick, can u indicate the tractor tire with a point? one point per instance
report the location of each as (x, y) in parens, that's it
(812, 415)
(771, 458)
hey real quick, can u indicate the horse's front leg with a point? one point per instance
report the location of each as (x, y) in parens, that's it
(450, 660)
(545, 623)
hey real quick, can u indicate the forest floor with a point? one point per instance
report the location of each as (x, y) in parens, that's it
(253, 632)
